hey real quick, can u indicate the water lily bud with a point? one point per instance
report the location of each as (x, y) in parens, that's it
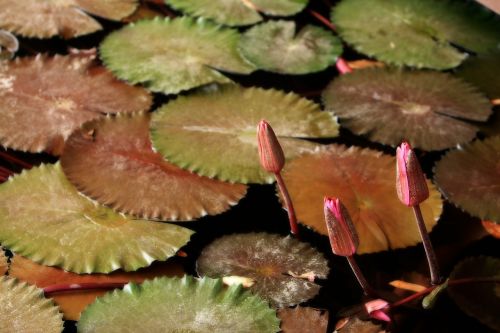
(410, 180)
(377, 309)
(343, 237)
(271, 155)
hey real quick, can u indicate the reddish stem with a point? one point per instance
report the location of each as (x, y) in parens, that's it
(322, 19)
(81, 287)
(429, 250)
(367, 289)
(294, 228)
(342, 66)
(13, 159)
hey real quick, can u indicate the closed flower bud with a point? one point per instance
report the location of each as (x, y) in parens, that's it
(271, 155)
(410, 180)
(343, 237)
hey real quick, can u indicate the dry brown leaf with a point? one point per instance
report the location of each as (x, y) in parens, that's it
(4, 265)
(303, 319)
(492, 228)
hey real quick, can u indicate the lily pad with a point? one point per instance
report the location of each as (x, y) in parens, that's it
(225, 122)
(112, 162)
(418, 33)
(23, 308)
(73, 303)
(67, 18)
(275, 46)
(277, 264)
(364, 180)
(9, 45)
(4, 265)
(172, 55)
(41, 90)
(181, 305)
(238, 12)
(43, 217)
(479, 300)
(484, 72)
(479, 164)
(431, 110)
(303, 319)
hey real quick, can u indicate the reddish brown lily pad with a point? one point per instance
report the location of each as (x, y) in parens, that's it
(4, 265)
(72, 304)
(364, 180)
(112, 161)
(67, 18)
(58, 94)
(275, 263)
(302, 319)
(479, 164)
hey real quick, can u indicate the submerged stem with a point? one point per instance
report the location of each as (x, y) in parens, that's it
(294, 228)
(81, 287)
(429, 250)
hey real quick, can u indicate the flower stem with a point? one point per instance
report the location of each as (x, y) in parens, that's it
(81, 287)
(367, 289)
(322, 19)
(294, 228)
(429, 250)
(13, 159)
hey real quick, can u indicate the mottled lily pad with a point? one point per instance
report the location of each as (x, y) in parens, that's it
(181, 305)
(58, 94)
(276, 46)
(484, 72)
(238, 12)
(225, 121)
(4, 265)
(67, 18)
(274, 262)
(418, 33)
(479, 300)
(479, 164)
(8, 45)
(302, 319)
(172, 55)
(43, 217)
(431, 110)
(23, 308)
(112, 162)
(364, 180)
(73, 303)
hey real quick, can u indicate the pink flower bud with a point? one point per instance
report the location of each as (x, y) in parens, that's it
(271, 155)
(377, 309)
(410, 180)
(343, 237)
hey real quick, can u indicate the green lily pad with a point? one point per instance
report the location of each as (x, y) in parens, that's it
(23, 308)
(275, 46)
(172, 55)
(44, 218)
(479, 300)
(479, 164)
(225, 121)
(431, 110)
(280, 266)
(484, 72)
(67, 18)
(238, 12)
(112, 161)
(179, 305)
(418, 33)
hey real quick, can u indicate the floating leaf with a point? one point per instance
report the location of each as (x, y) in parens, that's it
(181, 305)
(301, 319)
(273, 261)
(172, 55)
(73, 303)
(431, 110)
(225, 122)
(275, 46)
(364, 180)
(238, 12)
(356, 325)
(112, 162)
(24, 309)
(478, 163)
(68, 18)
(484, 72)
(479, 300)
(43, 217)
(4, 265)
(419, 33)
(8, 45)
(58, 94)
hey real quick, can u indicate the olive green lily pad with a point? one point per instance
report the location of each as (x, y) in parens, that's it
(44, 218)
(480, 300)
(214, 134)
(172, 55)
(364, 180)
(431, 110)
(23, 308)
(278, 265)
(484, 72)
(179, 305)
(418, 33)
(479, 164)
(67, 18)
(112, 161)
(276, 46)
(238, 12)
(4, 265)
